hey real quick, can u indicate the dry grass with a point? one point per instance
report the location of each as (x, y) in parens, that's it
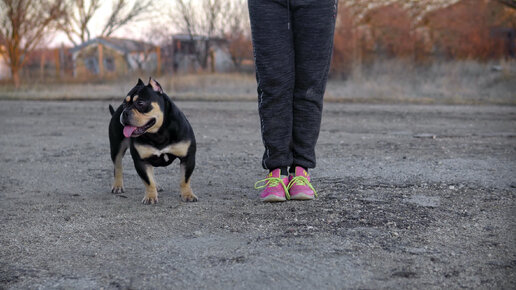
(466, 82)
(191, 87)
(212, 86)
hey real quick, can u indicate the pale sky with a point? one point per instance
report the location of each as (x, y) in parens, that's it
(141, 30)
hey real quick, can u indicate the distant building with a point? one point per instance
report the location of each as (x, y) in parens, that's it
(113, 56)
(48, 63)
(185, 54)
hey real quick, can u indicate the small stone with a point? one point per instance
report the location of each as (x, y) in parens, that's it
(425, 136)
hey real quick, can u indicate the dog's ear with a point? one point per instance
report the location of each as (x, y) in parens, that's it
(140, 83)
(155, 85)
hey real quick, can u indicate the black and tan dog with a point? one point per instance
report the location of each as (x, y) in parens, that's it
(157, 133)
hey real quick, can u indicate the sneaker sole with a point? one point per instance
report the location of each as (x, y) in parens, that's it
(302, 196)
(273, 198)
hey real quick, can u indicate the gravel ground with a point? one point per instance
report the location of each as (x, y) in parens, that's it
(410, 197)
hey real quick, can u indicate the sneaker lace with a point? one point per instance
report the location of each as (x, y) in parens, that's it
(301, 180)
(272, 182)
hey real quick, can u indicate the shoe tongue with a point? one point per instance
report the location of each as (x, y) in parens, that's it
(275, 173)
(128, 131)
(301, 172)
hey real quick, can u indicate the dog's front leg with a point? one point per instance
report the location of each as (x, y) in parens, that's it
(118, 182)
(151, 192)
(146, 173)
(187, 167)
(117, 153)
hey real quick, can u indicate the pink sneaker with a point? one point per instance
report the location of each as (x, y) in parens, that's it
(299, 186)
(275, 188)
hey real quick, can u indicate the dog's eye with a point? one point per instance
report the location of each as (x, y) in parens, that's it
(140, 103)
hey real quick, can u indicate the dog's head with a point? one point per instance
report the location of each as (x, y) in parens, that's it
(143, 109)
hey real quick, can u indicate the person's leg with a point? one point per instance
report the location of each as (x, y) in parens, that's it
(313, 25)
(274, 60)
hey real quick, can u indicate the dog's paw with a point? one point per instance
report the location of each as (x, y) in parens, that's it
(188, 197)
(117, 189)
(150, 199)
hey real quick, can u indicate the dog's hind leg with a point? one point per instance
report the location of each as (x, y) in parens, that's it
(117, 153)
(187, 167)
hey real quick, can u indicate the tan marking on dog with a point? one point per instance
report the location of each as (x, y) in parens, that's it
(179, 149)
(151, 193)
(158, 114)
(186, 191)
(128, 98)
(139, 119)
(135, 98)
(146, 151)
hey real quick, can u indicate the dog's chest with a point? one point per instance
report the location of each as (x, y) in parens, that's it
(163, 156)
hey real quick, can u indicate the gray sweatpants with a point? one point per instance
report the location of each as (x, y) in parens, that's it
(293, 42)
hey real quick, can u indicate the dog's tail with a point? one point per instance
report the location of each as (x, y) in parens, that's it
(111, 110)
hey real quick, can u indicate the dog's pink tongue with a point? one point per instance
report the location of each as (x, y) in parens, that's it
(128, 131)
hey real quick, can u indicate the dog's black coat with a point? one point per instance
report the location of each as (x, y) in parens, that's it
(175, 128)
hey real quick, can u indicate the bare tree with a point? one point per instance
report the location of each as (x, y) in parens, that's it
(236, 30)
(76, 24)
(123, 13)
(78, 16)
(199, 20)
(23, 24)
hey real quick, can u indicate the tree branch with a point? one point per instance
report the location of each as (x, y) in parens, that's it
(123, 14)
(510, 3)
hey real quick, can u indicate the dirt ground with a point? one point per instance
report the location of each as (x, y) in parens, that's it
(409, 197)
